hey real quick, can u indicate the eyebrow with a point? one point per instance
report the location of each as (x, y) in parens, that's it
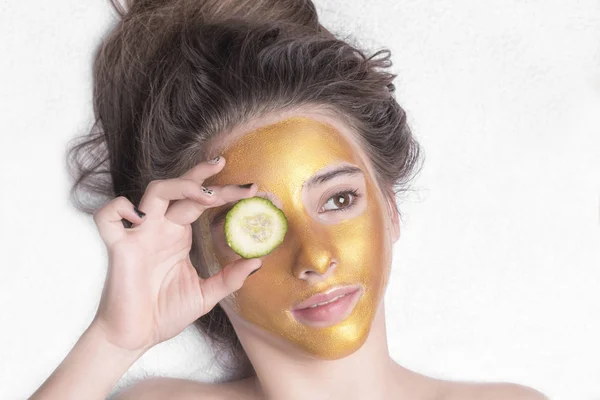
(315, 180)
(327, 176)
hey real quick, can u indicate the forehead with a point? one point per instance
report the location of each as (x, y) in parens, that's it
(286, 153)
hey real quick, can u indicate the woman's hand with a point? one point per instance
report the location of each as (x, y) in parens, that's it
(152, 291)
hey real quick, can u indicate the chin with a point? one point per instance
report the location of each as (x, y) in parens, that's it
(336, 349)
(334, 342)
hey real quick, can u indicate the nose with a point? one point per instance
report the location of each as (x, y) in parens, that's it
(314, 260)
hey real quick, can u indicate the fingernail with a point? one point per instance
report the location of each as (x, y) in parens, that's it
(246, 186)
(215, 160)
(208, 192)
(138, 212)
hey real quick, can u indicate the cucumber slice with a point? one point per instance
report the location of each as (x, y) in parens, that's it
(254, 227)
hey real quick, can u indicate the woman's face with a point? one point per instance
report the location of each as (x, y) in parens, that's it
(337, 233)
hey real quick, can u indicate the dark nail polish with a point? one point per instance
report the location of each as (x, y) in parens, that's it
(138, 212)
(246, 186)
(215, 160)
(209, 192)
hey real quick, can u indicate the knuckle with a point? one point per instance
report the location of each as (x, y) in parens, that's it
(154, 185)
(191, 182)
(228, 282)
(193, 190)
(100, 211)
(187, 233)
(122, 201)
(96, 215)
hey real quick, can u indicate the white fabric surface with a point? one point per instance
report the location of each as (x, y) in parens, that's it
(496, 273)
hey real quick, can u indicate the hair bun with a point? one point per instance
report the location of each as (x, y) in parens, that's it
(292, 12)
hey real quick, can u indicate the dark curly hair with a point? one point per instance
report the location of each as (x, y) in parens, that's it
(172, 75)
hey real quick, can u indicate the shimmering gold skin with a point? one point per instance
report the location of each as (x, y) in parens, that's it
(279, 158)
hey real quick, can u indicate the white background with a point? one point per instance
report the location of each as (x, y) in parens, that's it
(496, 276)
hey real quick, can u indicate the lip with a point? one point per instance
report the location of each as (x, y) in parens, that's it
(329, 314)
(326, 296)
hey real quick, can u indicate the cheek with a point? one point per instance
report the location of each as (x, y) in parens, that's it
(273, 283)
(361, 241)
(360, 246)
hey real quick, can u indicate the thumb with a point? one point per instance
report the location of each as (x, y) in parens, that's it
(226, 281)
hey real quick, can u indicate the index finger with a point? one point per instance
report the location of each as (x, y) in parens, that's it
(186, 211)
(205, 169)
(159, 194)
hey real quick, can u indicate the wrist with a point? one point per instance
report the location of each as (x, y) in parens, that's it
(96, 334)
(90, 370)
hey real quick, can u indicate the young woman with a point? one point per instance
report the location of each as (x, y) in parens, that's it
(200, 104)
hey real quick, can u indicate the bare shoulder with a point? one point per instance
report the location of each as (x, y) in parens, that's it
(490, 391)
(416, 385)
(185, 389)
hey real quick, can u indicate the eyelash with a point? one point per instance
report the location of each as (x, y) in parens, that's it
(353, 192)
(355, 197)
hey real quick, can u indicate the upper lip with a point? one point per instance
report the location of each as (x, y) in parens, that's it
(326, 296)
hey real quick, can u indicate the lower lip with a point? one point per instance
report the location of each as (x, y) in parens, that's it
(328, 314)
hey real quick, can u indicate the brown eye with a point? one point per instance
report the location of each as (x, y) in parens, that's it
(341, 201)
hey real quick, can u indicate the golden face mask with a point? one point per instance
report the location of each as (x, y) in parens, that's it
(280, 159)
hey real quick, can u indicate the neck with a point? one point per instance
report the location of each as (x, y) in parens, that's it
(367, 373)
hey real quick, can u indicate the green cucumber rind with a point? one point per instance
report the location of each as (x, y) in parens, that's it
(229, 219)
